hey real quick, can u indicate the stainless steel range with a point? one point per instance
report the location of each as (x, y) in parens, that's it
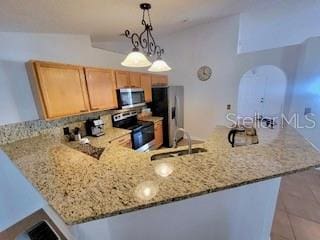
(142, 132)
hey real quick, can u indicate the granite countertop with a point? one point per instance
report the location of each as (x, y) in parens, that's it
(152, 119)
(81, 188)
(111, 134)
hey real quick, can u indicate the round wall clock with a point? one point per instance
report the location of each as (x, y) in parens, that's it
(204, 73)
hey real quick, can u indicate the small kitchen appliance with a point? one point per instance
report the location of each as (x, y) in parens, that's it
(130, 98)
(95, 127)
(242, 136)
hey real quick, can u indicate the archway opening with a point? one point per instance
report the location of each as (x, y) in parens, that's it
(262, 93)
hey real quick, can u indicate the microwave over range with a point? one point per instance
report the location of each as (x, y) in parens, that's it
(130, 97)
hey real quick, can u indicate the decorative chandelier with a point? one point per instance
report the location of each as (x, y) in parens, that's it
(145, 42)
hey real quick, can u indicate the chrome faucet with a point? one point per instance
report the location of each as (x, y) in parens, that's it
(188, 136)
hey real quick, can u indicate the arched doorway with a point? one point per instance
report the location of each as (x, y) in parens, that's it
(262, 92)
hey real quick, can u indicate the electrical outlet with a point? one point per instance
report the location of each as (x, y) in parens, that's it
(66, 131)
(307, 111)
(229, 107)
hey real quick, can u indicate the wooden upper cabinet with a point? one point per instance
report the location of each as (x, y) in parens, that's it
(101, 88)
(122, 79)
(146, 84)
(61, 89)
(135, 80)
(159, 80)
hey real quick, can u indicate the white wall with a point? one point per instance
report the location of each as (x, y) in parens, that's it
(18, 198)
(242, 213)
(277, 24)
(16, 100)
(215, 44)
(262, 91)
(306, 89)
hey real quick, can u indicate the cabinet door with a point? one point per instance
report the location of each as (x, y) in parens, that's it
(158, 134)
(135, 80)
(146, 84)
(62, 88)
(101, 88)
(122, 79)
(159, 80)
(124, 141)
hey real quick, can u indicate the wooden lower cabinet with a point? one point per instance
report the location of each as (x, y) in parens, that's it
(124, 141)
(158, 134)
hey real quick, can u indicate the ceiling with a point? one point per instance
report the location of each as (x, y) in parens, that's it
(105, 20)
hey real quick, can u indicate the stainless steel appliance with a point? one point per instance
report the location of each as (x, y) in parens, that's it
(94, 127)
(168, 102)
(130, 97)
(142, 132)
(38, 225)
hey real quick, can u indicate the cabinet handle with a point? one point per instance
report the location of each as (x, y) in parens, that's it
(83, 111)
(94, 109)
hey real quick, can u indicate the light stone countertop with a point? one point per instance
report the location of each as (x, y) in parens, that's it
(81, 188)
(152, 119)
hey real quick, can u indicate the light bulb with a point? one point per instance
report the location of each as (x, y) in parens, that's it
(159, 66)
(136, 59)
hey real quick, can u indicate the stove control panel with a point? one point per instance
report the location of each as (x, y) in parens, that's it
(125, 115)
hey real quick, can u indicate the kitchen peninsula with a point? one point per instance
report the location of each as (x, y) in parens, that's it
(90, 195)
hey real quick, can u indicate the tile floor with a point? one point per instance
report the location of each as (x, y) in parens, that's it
(297, 215)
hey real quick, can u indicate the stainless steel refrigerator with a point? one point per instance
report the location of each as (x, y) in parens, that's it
(168, 102)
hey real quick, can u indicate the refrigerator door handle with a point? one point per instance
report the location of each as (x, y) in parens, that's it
(176, 103)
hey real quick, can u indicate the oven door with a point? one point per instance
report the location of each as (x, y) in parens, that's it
(143, 139)
(130, 97)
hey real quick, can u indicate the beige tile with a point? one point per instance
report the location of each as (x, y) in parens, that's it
(304, 229)
(316, 192)
(297, 189)
(302, 207)
(276, 237)
(3, 236)
(281, 226)
(312, 171)
(306, 177)
(280, 205)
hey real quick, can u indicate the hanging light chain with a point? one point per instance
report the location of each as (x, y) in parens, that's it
(145, 40)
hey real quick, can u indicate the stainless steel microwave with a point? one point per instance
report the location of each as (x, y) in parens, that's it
(130, 97)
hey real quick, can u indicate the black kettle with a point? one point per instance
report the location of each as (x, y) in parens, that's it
(232, 134)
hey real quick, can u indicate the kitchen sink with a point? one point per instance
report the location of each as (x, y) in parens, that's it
(177, 153)
(88, 149)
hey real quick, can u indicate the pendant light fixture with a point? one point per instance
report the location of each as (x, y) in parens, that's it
(159, 66)
(144, 46)
(136, 59)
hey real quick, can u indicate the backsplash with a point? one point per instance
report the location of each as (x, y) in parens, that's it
(17, 131)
